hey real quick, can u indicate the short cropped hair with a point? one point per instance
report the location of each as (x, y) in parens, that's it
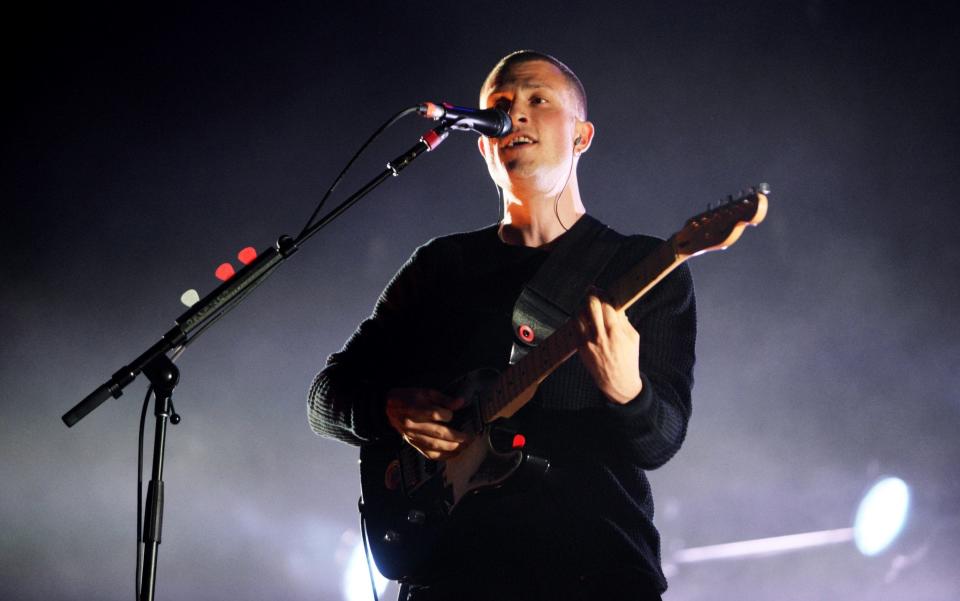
(525, 56)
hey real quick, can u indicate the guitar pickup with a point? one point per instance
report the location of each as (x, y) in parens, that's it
(415, 470)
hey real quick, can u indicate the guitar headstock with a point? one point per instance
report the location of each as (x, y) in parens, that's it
(721, 226)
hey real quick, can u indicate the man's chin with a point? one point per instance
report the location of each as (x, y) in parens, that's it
(520, 169)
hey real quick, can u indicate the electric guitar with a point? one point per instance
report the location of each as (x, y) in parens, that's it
(408, 500)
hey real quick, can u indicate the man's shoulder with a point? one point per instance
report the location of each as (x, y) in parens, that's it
(460, 241)
(634, 246)
(640, 244)
(633, 249)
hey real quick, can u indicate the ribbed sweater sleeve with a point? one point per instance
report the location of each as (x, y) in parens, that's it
(655, 423)
(648, 430)
(347, 398)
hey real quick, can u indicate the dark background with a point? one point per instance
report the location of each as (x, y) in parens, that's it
(143, 147)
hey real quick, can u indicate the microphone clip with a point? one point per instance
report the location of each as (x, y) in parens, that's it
(493, 123)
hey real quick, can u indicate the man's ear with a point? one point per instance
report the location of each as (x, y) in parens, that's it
(480, 145)
(585, 132)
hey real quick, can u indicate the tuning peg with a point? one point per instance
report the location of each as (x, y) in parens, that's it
(763, 188)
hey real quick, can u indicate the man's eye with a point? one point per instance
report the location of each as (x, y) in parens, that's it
(537, 100)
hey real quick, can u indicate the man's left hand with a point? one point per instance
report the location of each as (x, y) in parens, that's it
(610, 349)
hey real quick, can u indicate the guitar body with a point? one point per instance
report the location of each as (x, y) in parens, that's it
(409, 501)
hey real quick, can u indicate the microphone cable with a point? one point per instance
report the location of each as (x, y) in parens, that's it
(349, 164)
(391, 121)
(178, 351)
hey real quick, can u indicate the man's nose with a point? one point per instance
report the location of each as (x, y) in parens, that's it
(517, 114)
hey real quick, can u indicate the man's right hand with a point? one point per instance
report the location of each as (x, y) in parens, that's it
(420, 415)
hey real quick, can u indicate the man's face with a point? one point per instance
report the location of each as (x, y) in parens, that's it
(536, 156)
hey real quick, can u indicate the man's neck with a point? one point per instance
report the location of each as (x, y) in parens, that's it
(538, 220)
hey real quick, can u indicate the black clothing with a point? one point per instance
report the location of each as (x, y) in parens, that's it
(447, 312)
(548, 586)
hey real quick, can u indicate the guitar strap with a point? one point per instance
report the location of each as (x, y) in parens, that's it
(558, 288)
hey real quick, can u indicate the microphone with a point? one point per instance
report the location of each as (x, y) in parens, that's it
(493, 123)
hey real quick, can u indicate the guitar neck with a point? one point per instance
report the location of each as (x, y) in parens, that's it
(645, 275)
(517, 384)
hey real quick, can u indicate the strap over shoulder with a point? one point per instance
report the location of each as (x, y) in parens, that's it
(561, 283)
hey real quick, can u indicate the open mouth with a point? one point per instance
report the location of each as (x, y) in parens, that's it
(519, 141)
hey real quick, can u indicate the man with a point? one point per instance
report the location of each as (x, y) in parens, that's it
(618, 407)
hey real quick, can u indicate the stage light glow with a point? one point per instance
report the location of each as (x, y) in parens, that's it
(356, 579)
(758, 547)
(881, 515)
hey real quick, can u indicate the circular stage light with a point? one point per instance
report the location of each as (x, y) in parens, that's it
(881, 515)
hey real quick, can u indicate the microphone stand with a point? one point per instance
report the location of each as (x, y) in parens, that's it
(165, 376)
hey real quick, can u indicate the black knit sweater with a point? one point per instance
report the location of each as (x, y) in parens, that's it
(448, 311)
